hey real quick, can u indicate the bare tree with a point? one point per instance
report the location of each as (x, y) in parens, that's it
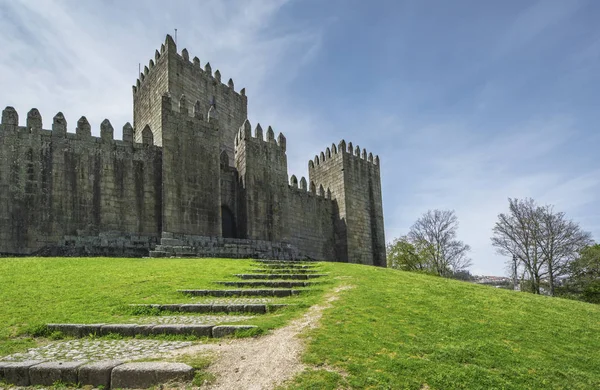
(516, 234)
(434, 235)
(560, 243)
(543, 241)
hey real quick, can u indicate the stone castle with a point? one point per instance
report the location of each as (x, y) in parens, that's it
(189, 178)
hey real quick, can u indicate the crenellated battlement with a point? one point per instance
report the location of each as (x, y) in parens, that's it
(311, 189)
(184, 111)
(346, 149)
(34, 129)
(245, 134)
(58, 182)
(169, 47)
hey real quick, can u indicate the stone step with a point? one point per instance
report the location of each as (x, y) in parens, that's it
(175, 250)
(158, 254)
(214, 308)
(106, 374)
(267, 283)
(290, 262)
(171, 242)
(285, 266)
(144, 375)
(284, 271)
(167, 235)
(132, 330)
(280, 276)
(244, 293)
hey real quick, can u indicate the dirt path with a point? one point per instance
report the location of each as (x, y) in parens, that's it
(264, 362)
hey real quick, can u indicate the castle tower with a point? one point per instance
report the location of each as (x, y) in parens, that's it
(174, 74)
(354, 181)
(262, 168)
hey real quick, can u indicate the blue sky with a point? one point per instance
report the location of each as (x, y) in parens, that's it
(467, 103)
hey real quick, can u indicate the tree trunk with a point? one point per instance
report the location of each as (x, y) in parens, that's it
(551, 278)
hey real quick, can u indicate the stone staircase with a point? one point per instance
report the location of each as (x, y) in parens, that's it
(269, 278)
(182, 245)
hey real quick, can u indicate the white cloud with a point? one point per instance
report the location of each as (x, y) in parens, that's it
(82, 58)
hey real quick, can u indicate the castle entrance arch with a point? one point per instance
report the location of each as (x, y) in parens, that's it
(227, 223)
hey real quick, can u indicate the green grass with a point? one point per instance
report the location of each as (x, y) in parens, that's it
(399, 330)
(36, 291)
(391, 330)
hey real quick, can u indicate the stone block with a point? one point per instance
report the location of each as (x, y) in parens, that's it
(255, 308)
(220, 308)
(174, 307)
(143, 330)
(171, 242)
(196, 308)
(46, 374)
(17, 373)
(127, 330)
(198, 330)
(226, 330)
(97, 373)
(282, 293)
(191, 330)
(145, 375)
(235, 308)
(76, 330)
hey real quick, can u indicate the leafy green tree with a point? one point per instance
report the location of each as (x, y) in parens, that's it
(584, 278)
(431, 246)
(403, 255)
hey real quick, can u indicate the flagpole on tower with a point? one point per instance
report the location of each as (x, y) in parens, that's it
(176, 36)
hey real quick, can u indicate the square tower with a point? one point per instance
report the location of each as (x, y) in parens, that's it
(353, 178)
(174, 73)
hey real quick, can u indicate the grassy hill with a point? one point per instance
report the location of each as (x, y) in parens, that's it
(390, 330)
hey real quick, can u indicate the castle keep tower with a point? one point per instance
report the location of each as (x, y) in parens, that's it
(174, 74)
(189, 178)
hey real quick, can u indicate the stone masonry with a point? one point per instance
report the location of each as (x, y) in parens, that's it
(191, 166)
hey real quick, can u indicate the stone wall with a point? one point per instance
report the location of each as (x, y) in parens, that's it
(191, 170)
(105, 244)
(54, 183)
(311, 223)
(353, 177)
(262, 167)
(364, 212)
(152, 84)
(327, 170)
